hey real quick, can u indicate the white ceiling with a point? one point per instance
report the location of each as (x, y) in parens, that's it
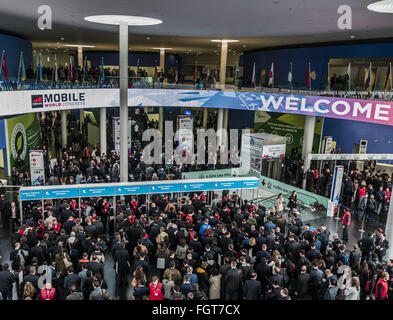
(189, 25)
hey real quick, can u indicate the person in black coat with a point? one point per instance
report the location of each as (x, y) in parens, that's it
(234, 283)
(123, 261)
(6, 282)
(38, 252)
(252, 288)
(141, 291)
(366, 245)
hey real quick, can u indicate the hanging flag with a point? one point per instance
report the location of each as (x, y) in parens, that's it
(3, 66)
(55, 69)
(253, 76)
(388, 78)
(271, 75)
(71, 72)
(40, 67)
(290, 76)
(21, 69)
(85, 71)
(138, 73)
(308, 79)
(348, 78)
(176, 76)
(367, 82)
(196, 71)
(102, 69)
(155, 71)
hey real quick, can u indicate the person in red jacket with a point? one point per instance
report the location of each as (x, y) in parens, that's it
(56, 226)
(346, 224)
(40, 229)
(104, 212)
(156, 290)
(381, 288)
(134, 206)
(47, 292)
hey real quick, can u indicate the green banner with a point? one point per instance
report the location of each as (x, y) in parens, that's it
(290, 126)
(23, 135)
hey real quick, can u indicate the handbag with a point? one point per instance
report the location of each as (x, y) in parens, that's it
(66, 262)
(367, 288)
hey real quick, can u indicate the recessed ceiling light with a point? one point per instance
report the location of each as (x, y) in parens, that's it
(244, 45)
(352, 37)
(119, 19)
(61, 39)
(385, 6)
(225, 40)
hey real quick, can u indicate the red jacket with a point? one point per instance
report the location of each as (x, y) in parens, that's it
(58, 228)
(384, 293)
(347, 218)
(46, 296)
(105, 208)
(156, 292)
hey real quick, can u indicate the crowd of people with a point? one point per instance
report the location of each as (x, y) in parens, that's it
(190, 249)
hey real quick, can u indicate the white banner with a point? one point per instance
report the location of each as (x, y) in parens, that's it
(274, 151)
(185, 129)
(328, 145)
(116, 134)
(351, 156)
(37, 169)
(336, 189)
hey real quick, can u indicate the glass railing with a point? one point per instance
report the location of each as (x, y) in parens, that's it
(149, 83)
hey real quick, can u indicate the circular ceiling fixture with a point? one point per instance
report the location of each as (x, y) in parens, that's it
(385, 6)
(120, 19)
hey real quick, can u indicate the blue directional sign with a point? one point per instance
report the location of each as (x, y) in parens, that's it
(251, 184)
(61, 193)
(30, 195)
(165, 188)
(221, 185)
(128, 190)
(97, 192)
(196, 186)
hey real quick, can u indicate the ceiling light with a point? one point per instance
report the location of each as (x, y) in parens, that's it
(57, 42)
(78, 46)
(244, 45)
(147, 38)
(61, 39)
(224, 40)
(352, 37)
(119, 19)
(162, 48)
(385, 6)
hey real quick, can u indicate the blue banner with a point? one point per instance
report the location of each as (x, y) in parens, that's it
(30, 195)
(97, 192)
(227, 185)
(61, 193)
(250, 184)
(165, 188)
(196, 186)
(129, 190)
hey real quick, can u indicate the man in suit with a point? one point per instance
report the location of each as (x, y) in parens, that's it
(252, 288)
(234, 284)
(366, 245)
(6, 281)
(381, 246)
(123, 262)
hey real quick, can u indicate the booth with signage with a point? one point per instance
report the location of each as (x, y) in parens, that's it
(266, 155)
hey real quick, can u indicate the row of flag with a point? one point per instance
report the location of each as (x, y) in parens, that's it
(388, 79)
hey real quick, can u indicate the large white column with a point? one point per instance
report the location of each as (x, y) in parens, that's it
(103, 134)
(389, 232)
(63, 121)
(123, 66)
(161, 109)
(309, 127)
(205, 116)
(225, 127)
(220, 123)
(81, 111)
(223, 64)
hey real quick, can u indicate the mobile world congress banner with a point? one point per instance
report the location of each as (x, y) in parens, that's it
(20, 102)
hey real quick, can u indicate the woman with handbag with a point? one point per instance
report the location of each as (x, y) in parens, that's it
(63, 261)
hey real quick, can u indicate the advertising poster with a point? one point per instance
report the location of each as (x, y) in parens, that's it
(116, 134)
(37, 170)
(336, 190)
(185, 130)
(274, 151)
(256, 151)
(23, 134)
(290, 126)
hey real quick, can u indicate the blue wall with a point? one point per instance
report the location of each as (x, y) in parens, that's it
(147, 59)
(347, 133)
(13, 47)
(300, 57)
(240, 119)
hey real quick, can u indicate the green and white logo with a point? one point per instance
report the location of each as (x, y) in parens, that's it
(19, 142)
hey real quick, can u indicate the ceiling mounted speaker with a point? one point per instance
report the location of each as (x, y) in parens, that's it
(385, 6)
